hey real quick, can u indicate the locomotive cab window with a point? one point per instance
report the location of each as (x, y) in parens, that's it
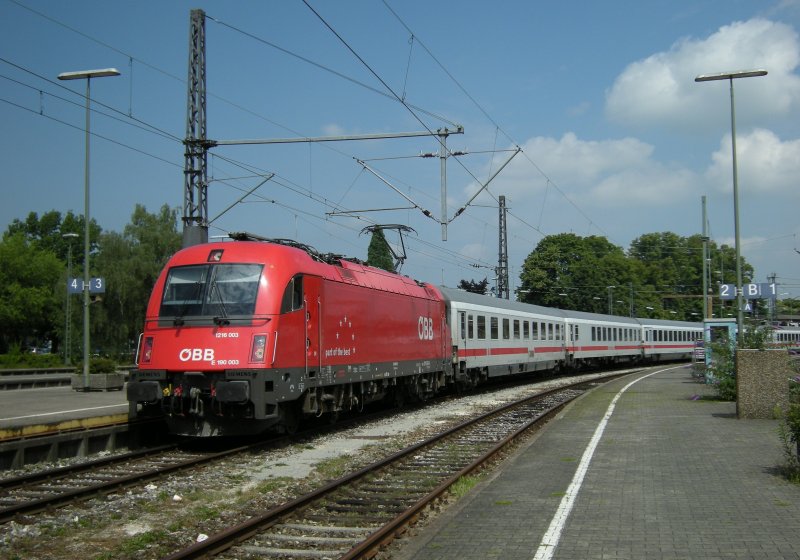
(217, 289)
(293, 295)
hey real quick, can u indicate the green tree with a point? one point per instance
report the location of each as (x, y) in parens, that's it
(573, 272)
(30, 280)
(672, 277)
(130, 263)
(473, 286)
(47, 233)
(379, 254)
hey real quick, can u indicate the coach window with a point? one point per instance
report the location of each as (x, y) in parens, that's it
(481, 327)
(506, 329)
(494, 328)
(463, 324)
(293, 295)
(550, 333)
(526, 330)
(516, 329)
(534, 331)
(470, 327)
(577, 332)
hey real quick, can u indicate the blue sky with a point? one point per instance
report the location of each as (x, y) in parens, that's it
(617, 139)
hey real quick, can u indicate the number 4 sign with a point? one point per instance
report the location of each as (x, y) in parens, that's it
(96, 286)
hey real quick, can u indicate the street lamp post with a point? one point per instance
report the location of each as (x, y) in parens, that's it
(67, 323)
(730, 76)
(610, 299)
(87, 75)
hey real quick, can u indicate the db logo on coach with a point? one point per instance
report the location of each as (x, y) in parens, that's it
(425, 328)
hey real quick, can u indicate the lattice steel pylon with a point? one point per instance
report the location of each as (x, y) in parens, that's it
(502, 263)
(195, 199)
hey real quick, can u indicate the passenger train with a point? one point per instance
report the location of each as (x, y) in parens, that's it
(250, 335)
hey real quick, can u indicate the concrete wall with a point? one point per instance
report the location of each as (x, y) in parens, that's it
(762, 382)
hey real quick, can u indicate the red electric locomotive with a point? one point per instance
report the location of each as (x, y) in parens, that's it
(249, 335)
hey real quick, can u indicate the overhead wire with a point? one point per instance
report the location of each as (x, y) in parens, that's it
(394, 94)
(93, 134)
(132, 58)
(154, 128)
(168, 135)
(486, 114)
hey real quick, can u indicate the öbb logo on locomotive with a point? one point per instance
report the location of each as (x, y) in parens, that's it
(425, 328)
(196, 355)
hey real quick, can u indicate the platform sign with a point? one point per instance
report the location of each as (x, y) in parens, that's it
(96, 285)
(749, 291)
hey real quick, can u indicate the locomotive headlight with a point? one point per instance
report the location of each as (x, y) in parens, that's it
(147, 350)
(258, 349)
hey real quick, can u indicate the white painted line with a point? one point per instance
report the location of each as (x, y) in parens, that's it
(64, 412)
(550, 539)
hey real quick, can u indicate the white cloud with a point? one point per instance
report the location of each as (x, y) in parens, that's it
(647, 186)
(333, 130)
(600, 173)
(765, 164)
(661, 88)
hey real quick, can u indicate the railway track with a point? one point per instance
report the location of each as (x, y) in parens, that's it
(45, 490)
(354, 516)
(51, 488)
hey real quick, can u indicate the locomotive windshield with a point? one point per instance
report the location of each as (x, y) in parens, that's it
(211, 290)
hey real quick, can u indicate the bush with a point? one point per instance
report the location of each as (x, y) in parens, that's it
(99, 365)
(16, 359)
(723, 366)
(723, 370)
(789, 430)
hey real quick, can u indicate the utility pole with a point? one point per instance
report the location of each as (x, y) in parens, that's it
(706, 307)
(773, 302)
(443, 167)
(502, 265)
(195, 170)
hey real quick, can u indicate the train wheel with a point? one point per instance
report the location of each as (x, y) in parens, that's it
(333, 417)
(398, 397)
(291, 418)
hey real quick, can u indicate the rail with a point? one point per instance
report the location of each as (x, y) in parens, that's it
(354, 516)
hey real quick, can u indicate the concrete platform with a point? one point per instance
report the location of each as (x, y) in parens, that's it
(631, 472)
(32, 411)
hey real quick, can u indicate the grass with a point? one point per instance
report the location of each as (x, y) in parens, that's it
(463, 485)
